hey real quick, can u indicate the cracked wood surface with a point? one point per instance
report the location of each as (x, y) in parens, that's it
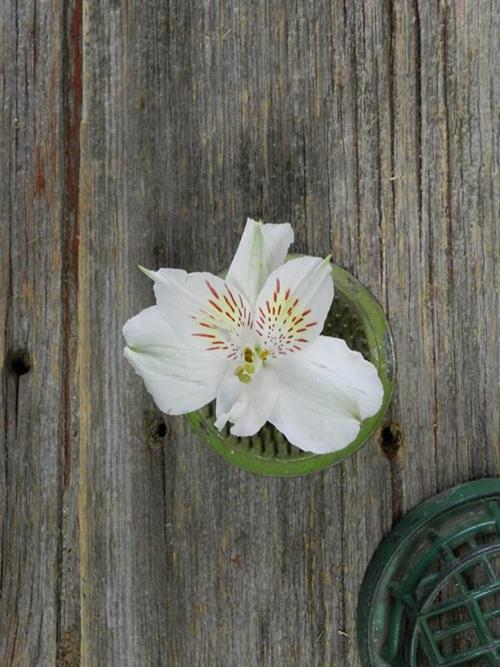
(145, 132)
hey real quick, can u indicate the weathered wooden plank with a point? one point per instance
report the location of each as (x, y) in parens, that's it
(472, 89)
(121, 505)
(32, 307)
(443, 345)
(365, 162)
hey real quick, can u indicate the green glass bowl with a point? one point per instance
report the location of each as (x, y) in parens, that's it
(356, 317)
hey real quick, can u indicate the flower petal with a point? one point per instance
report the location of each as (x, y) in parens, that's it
(180, 379)
(262, 249)
(204, 311)
(246, 406)
(293, 304)
(325, 393)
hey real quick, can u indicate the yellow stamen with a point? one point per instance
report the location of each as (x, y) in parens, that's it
(242, 377)
(250, 368)
(264, 354)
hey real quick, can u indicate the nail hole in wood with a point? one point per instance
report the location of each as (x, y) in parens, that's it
(161, 430)
(19, 361)
(158, 432)
(391, 440)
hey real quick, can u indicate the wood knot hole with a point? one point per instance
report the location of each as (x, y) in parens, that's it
(391, 440)
(19, 361)
(158, 432)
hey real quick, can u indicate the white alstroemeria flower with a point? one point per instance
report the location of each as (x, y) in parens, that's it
(252, 342)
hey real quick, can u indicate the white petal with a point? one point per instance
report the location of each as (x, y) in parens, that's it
(293, 304)
(180, 379)
(246, 406)
(354, 375)
(325, 393)
(204, 311)
(262, 249)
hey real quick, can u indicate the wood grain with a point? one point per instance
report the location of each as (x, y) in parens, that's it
(32, 311)
(146, 133)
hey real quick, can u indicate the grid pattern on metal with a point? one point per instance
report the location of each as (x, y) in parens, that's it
(431, 596)
(484, 643)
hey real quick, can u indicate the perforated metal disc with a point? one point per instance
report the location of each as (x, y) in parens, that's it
(354, 316)
(431, 595)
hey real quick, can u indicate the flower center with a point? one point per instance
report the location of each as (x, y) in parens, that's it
(252, 362)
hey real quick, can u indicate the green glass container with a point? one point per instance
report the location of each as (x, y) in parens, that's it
(356, 317)
(431, 595)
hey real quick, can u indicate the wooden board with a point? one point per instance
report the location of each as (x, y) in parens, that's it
(146, 132)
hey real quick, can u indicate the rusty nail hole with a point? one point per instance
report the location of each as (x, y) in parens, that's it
(19, 361)
(391, 440)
